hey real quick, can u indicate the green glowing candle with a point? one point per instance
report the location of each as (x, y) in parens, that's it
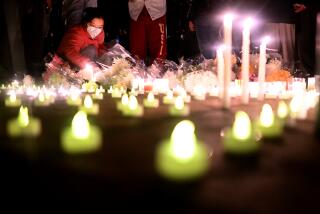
(24, 126)
(12, 100)
(240, 139)
(89, 107)
(121, 106)
(151, 102)
(74, 99)
(179, 109)
(182, 157)
(81, 137)
(41, 100)
(116, 93)
(133, 109)
(267, 125)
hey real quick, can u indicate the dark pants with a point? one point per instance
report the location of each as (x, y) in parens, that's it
(306, 34)
(90, 51)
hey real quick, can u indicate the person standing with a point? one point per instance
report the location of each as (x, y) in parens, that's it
(306, 33)
(148, 29)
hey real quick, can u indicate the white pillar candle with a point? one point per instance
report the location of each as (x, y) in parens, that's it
(227, 24)
(245, 60)
(220, 69)
(262, 66)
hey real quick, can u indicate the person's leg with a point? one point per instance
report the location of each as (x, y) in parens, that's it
(208, 38)
(156, 39)
(138, 38)
(287, 40)
(73, 10)
(91, 3)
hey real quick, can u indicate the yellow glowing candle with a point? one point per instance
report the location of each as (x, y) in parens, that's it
(240, 139)
(267, 125)
(283, 110)
(74, 99)
(116, 93)
(89, 107)
(133, 109)
(97, 95)
(179, 109)
(124, 102)
(182, 157)
(41, 101)
(81, 137)
(12, 100)
(24, 125)
(151, 102)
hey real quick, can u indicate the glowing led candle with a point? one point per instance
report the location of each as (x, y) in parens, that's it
(133, 92)
(12, 100)
(282, 111)
(116, 93)
(74, 98)
(168, 99)
(182, 157)
(41, 100)
(296, 105)
(24, 125)
(89, 87)
(124, 102)
(245, 60)
(81, 137)
(133, 109)
(267, 125)
(151, 102)
(227, 30)
(89, 107)
(97, 95)
(262, 67)
(240, 139)
(179, 109)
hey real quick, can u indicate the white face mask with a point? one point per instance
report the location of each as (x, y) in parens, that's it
(93, 31)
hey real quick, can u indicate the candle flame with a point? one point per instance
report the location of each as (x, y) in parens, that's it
(248, 22)
(150, 97)
(183, 140)
(41, 97)
(266, 40)
(125, 100)
(282, 111)
(266, 116)
(242, 126)
(23, 117)
(133, 102)
(88, 103)
(80, 125)
(13, 97)
(179, 103)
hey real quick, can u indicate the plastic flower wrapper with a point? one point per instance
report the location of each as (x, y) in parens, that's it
(160, 66)
(115, 52)
(58, 72)
(206, 79)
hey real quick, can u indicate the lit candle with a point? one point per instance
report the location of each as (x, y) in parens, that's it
(182, 157)
(89, 87)
(97, 95)
(81, 137)
(133, 92)
(74, 98)
(124, 102)
(41, 100)
(240, 139)
(267, 125)
(282, 111)
(151, 102)
(245, 60)
(116, 93)
(227, 23)
(168, 99)
(89, 107)
(262, 67)
(24, 126)
(179, 109)
(220, 67)
(110, 90)
(133, 109)
(12, 100)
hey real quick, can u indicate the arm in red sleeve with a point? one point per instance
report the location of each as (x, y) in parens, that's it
(70, 48)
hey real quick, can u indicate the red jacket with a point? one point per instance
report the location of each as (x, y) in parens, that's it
(74, 41)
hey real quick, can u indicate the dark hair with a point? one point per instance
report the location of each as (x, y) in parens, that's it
(91, 13)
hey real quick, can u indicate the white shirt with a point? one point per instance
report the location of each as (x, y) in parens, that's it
(156, 8)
